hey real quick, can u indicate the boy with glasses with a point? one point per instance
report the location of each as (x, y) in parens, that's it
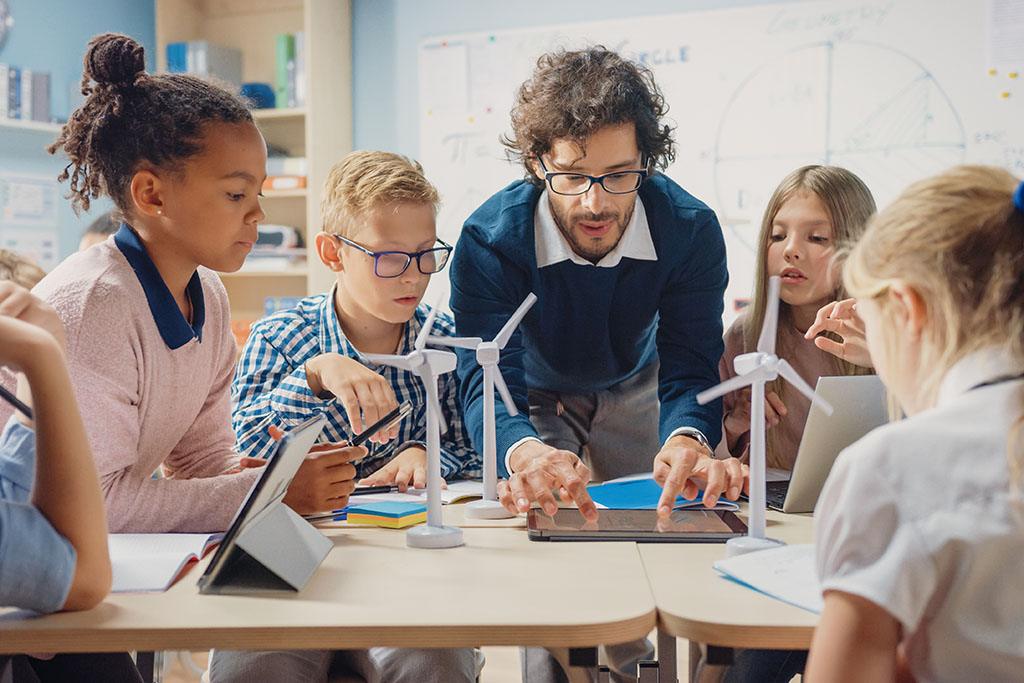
(379, 239)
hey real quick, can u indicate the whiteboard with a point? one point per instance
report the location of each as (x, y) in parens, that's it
(893, 90)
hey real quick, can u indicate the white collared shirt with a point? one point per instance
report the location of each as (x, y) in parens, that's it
(551, 247)
(920, 518)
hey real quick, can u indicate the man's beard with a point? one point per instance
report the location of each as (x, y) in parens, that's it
(592, 254)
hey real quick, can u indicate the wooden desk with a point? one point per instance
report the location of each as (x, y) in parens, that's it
(698, 603)
(373, 590)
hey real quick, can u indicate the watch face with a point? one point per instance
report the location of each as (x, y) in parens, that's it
(6, 21)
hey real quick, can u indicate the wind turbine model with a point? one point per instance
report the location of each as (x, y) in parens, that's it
(755, 369)
(487, 356)
(428, 364)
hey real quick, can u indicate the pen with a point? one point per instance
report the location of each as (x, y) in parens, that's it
(367, 490)
(16, 402)
(335, 516)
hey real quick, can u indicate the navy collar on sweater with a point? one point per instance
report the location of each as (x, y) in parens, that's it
(173, 327)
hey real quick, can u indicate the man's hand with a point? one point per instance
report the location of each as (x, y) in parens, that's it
(538, 470)
(840, 317)
(683, 466)
(408, 467)
(365, 395)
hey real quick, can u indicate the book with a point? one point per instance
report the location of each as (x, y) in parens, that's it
(787, 573)
(41, 96)
(151, 563)
(300, 69)
(458, 491)
(641, 492)
(284, 50)
(176, 57)
(284, 182)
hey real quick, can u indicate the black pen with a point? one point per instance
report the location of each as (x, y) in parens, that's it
(367, 490)
(16, 402)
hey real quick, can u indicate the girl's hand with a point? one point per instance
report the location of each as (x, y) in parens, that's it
(409, 466)
(365, 395)
(737, 421)
(840, 318)
(17, 302)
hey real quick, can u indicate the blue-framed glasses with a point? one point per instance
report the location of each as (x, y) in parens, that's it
(619, 182)
(394, 263)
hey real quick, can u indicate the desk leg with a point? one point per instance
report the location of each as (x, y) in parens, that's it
(666, 658)
(582, 664)
(695, 656)
(144, 661)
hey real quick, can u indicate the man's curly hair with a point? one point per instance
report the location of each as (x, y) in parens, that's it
(573, 94)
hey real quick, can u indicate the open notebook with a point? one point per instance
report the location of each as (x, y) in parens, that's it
(786, 573)
(150, 563)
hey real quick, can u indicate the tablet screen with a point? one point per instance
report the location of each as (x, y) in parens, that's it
(693, 526)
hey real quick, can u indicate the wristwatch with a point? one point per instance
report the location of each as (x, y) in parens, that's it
(697, 436)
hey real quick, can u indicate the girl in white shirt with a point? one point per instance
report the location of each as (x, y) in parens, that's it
(920, 528)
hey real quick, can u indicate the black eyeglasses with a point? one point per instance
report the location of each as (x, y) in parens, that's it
(619, 182)
(394, 263)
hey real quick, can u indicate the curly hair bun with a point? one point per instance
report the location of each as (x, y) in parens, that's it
(114, 59)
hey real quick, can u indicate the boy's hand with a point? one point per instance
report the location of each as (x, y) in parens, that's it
(365, 395)
(17, 302)
(682, 466)
(408, 467)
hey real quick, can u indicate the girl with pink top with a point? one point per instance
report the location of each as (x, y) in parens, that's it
(813, 211)
(149, 344)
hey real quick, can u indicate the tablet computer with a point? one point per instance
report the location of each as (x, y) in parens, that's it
(230, 564)
(641, 526)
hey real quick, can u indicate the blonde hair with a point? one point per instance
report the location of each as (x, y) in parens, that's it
(849, 205)
(365, 181)
(18, 270)
(958, 241)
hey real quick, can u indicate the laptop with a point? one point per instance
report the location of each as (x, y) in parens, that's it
(860, 405)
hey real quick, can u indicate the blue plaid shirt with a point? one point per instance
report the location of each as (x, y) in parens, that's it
(270, 387)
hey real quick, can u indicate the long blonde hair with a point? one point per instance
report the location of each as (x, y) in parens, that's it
(957, 240)
(849, 205)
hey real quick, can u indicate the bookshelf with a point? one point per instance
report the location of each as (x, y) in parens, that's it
(321, 131)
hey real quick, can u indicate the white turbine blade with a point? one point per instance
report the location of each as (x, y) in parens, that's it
(460, 342)
(510, 325)
(506, 395)
(794, 378)
(421, 338)
(386, 359)
(433, 405)
(766, 343)
(731, 384)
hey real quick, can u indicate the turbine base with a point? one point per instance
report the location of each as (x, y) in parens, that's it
(425, 536)
(741, 545)
(485, 509)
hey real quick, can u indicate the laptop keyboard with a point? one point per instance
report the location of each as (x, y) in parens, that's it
(776, 494)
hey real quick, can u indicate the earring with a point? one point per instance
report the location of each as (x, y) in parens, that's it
(159, 212)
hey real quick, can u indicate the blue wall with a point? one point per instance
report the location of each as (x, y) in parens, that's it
(386, 36)
(51, 35)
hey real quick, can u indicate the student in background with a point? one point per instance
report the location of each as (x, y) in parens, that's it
(814, 211)
(53, 532)
(22, 272)
(380, 241)
(150, 348)
(920, 527)
(100, 229)
(372, 202)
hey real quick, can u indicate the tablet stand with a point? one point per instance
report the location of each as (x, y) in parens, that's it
(278, 550)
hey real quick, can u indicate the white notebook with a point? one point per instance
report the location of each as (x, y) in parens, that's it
(787, 573)
(150, 563)
(459, 490)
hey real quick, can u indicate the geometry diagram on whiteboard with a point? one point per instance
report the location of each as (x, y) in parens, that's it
(869, 108)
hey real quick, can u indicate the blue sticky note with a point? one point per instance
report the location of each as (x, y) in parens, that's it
(387, 508)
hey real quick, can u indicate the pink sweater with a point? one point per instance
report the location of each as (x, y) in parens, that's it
(807, 359)
(145, 405)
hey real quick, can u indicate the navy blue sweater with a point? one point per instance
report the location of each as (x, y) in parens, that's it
(593, 327)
